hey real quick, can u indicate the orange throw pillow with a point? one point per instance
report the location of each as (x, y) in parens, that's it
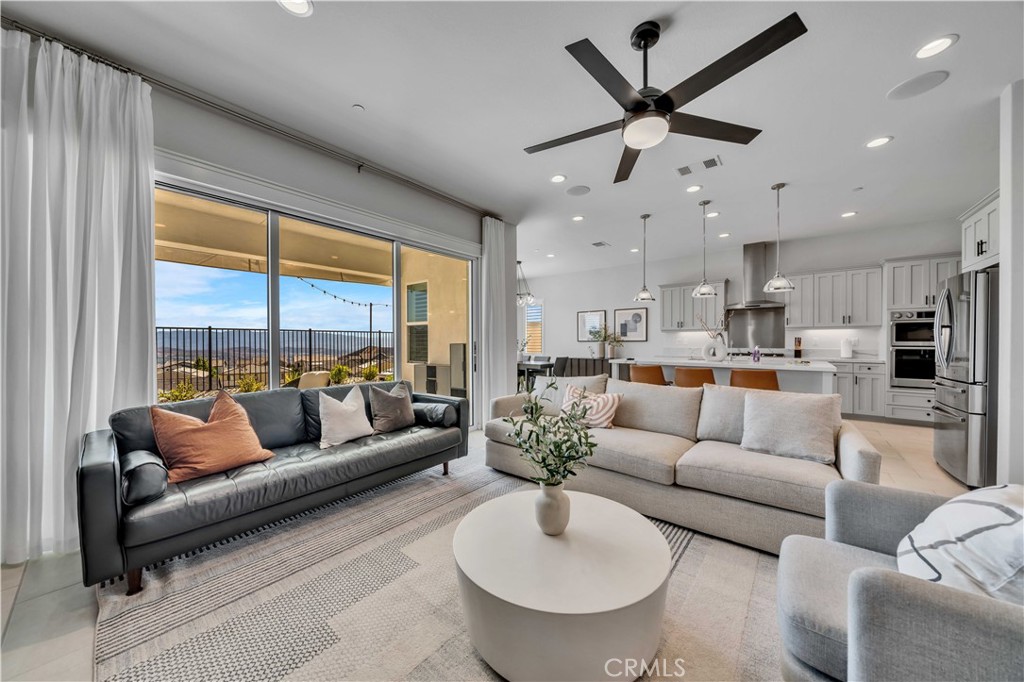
(192, 448)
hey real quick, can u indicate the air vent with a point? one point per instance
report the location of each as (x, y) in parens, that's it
(600, 245)
(706, 164)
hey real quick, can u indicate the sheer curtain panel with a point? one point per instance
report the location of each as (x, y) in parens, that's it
(499, 311)
(76, 285)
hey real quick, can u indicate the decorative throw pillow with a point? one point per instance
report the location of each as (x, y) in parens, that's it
(192, 448)
(600, 406)
(554, 397)
(435, 414)
(342, 421)
(974, 542)
(798, 425)
(662, 409)
(391, 410)
(143, 477)
(721, 413)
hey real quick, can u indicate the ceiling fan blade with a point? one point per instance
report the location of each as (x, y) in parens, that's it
(582, 135)
(607, 76)
(750, 52)
(626, 163)
(698, 126)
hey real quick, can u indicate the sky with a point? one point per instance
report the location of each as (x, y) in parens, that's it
(197, 296)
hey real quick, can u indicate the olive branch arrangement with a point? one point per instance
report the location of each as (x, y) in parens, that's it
(721, 326)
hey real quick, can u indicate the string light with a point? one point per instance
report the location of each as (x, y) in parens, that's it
(342, 298)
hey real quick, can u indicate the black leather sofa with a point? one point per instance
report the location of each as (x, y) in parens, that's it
(118, 538)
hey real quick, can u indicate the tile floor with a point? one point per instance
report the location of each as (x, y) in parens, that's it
(49, 618)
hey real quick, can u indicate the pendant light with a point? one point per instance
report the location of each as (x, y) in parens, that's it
(705, 290)
(523, 295)
(644, 294)
(779, 283)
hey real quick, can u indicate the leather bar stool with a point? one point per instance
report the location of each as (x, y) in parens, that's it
(764, 379)
(694, 377)
(647, 374)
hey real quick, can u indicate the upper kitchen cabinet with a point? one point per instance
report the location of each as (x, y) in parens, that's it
(800, 302)
(848, 298)
(980, 243)
(939, 270)
(916, 284)
(680, 311)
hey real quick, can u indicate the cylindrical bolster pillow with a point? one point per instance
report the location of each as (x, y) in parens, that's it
(143, 477)
(434, 414)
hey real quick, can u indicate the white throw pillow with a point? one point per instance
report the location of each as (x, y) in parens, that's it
(797, 425)
(601, 407)
(554, 397)
(974, 542)
(345, 420)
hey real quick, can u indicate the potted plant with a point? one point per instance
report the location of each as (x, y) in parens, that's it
(520, 350)
(555, 446)
(605, 337)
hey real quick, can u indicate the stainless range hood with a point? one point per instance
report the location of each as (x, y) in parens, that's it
(756, 321)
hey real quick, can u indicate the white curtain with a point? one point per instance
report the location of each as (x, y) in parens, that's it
(499, 328)
(76, 285)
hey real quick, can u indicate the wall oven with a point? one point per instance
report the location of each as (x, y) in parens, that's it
(911, 367)
(915, 328)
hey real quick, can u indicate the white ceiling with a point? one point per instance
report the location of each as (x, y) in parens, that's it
(454, 91)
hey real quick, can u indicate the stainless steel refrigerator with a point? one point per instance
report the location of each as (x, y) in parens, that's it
(966, 353)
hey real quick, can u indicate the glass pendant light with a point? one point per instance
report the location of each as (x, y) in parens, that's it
(523, 295)
(779, 283)
(644, 294)
(705, 290)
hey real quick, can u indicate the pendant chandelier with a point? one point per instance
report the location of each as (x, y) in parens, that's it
(644, 294)
(523, 295)
(779, 283)
(704, 290)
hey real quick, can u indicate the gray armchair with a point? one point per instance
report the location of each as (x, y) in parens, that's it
(845, 612)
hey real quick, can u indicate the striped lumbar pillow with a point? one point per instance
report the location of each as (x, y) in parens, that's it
(600, 406)
(973, 542)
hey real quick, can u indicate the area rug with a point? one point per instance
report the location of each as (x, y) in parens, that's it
(365, 589)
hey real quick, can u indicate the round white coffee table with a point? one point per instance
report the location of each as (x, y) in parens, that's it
(568, 607)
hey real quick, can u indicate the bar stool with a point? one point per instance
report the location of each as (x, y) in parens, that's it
(694, 377)
(647, 374)
(764, 379)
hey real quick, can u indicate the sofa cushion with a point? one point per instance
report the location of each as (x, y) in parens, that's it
(600, 407)
(664, 409)
(553, 398)
(812, 598)
(721, 413)
(727, 469)
(799, 425)
(342, 421)
(435, 414)
(392, 410)
(276, 416)
(310, 398)
(143, 477)
(294, 471)
(642, 454)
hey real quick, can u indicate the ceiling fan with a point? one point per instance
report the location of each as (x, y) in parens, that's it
(650, 114)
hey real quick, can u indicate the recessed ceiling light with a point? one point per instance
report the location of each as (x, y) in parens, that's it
(848, 214)
(300, 8)
(713, 214)
(724, 235)
(936, 46)
(558, 178)
(879, 141)
(694, 188)
(577, 218)
(551, 255)
(634, 250)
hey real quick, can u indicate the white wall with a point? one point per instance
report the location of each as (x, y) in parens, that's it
(610, 288)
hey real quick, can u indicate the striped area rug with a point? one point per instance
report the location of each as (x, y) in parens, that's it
(365, 589)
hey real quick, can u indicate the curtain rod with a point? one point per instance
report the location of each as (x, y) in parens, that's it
(254, 120)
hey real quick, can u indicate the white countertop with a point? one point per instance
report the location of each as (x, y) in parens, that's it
(777, 364)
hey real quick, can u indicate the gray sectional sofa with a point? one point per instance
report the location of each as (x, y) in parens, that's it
(654, 461)
(119, 538)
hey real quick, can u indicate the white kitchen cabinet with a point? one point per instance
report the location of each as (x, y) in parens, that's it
(800, 302)
(908, 284)
(980, 242)
(848, 298)
(941, 269)
(669, 311)
(830, 299)
(844, 387)
(680, 311)
(869, 394)
(909, 404)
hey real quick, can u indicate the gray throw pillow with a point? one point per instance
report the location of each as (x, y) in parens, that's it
(662, 409)
(435, 414)
(798, 425)
(143, 477)
(391, 410)
(721, 414)
(554, 397)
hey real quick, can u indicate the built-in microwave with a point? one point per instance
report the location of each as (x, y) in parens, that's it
(912, 328)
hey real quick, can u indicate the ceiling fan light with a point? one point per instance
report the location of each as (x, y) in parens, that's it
(778, 284)
(645, 129)
(644, 295)
(704, 290)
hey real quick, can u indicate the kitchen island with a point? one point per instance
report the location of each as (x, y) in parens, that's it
(797, 376)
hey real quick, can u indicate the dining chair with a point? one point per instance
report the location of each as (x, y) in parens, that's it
(694, 377)
(647, 374)
(764, 379)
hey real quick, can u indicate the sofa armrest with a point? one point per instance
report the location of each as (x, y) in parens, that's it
(856, 457)
(461, 406)
(872, 516)
(905, 628)
(99, 508)
(507, 406)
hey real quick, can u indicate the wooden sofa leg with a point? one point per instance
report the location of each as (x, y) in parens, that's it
(134, 581)
(444, 469)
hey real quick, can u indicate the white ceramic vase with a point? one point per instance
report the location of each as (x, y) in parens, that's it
(552, 509)
(600, 350)
(715, 350)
